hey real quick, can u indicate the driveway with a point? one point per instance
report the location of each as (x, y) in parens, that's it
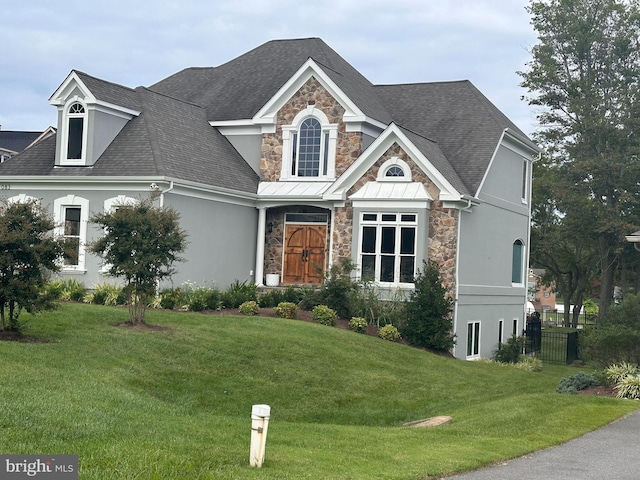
(611, 452)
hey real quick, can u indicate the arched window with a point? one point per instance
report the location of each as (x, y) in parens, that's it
(75, 131)
(309, 149)
(517, 264)
(394, 171)
(309, 146)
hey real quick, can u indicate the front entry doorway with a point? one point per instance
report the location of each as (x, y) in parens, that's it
(304, 253)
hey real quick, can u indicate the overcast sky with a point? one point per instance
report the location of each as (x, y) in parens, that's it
(139, 42)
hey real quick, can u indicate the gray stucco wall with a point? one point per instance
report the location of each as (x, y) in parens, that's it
(222, 241)
(250, 147)
(487, 234)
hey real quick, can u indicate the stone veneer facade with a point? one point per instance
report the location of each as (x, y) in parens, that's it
(443, 222)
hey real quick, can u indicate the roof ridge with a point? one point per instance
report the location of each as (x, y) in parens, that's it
(151, 131)
(150, 90)
(80, 72)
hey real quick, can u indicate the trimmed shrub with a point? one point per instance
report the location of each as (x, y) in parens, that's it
(428, 320)
(577, 382)
(286, 310)
(358, 325)
(509, 352)
(249, 308)
(170, 298)
(324, 315)
(389, 332)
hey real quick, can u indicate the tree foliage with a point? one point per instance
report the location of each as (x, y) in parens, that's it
(140, 244)
(428, 320)
(585, 76)
(28, 253)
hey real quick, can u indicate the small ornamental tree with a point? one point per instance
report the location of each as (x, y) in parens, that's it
(428, 321)
(28, 252)
(141, 243)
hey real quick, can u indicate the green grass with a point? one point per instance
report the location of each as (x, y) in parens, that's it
(176, 404)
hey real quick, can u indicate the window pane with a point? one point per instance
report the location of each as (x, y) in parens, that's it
(469, 339)
(370, 217)
(394, 171)
(387, 268)
(408, 218)
(368, 268)
(74, 145)
(72, 221)
(407, 240)
(325, 159)
(309, 154)
(388, 240)
(294, 154)
(386, 217)
(476, 338)
(407, 269)
(71, 250)
(516, 266)
(369, 240)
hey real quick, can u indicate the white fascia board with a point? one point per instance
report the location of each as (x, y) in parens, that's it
(237, 127)
(113, 109)
(379, 146)
(267, 114)
(60, 96)
(136, 184)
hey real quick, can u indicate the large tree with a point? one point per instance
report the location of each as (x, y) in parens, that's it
(140, 244)
(28, 253)
(585, 76)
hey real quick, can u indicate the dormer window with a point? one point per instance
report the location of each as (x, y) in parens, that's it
(309, 147)
(76, 126)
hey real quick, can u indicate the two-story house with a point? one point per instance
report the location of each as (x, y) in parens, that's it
(285, 160)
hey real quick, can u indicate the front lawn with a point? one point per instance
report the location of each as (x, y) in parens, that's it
(176, 403)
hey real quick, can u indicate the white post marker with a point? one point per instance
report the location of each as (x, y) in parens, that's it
(259, 424)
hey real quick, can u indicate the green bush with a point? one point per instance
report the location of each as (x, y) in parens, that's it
(577, 382)
(108, 294)
(509, 352)
(249, 308)
(609, 344)
(428, 320)
(323, 315)
(72, 290)
(286, 310)
(616, 372)
(238, 293)
(336, 291)
(628, 387)
(54, 289)
(170, 298)
(389, 332)
(272, 298)
(529, 363)
(358, 325)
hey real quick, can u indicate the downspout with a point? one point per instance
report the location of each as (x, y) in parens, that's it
(166, 191)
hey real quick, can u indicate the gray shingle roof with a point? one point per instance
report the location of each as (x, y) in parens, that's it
(239, 88)
(169, 138)
(110, 92)
(464, 123)
(17, 141)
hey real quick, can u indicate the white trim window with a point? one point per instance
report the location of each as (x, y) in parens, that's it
(517, 263)
(74, 148)
(309, 147)
(71, 214)
(473, 339)
(387, 249)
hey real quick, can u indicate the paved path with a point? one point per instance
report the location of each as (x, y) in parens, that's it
(611, 452)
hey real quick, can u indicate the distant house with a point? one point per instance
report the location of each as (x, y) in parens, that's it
(14, 142)
(286, 160)
(543, 297)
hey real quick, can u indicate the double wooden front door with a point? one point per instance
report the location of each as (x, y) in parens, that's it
(304, 253)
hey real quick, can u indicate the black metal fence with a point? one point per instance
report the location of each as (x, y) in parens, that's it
(551, 346)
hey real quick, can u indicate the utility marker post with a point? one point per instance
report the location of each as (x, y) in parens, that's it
(259, 424)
